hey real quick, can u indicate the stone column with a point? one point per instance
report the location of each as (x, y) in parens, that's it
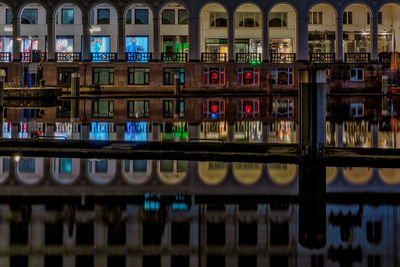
(265, 37)
(51, 38)
(16, 32)
(156, 38)
(374, 37)
(121, 39)
(86, 39)
(339, 39)
(231, 38)
(194, 44)
(302, 39)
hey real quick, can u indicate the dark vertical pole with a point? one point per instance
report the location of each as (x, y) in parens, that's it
(312, 185)
(2, 78)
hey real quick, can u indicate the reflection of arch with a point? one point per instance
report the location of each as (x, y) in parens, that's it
(331, 173)
(357, 175)
(212, 172)
(30, 170)
(102, 171)
(247, 173)
(65, 174)
(282, 173)
(4, 168)
(172, 171)
(390, 176)
(133, 176)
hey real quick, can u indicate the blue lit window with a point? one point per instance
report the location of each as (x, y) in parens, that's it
(141, 16)
(101, 166)
(128, 19)
(26, 165)
(67, 16)
(9, 16)
(29, 16)
(103, 16)
(65, 166)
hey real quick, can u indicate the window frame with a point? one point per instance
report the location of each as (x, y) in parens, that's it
(283, 17)
(147, 16)
(276, 71)
(213, 19)
(207, 71)
(110, 111)
(356, 78)
(96, 71)
(100, 22)
(348, 18)
(131, 105)
(62, 16)
(241, 73)
(132, 72)
(173, 71)
(36, 19)
(319, 15)
(9, 16)
(164, 20)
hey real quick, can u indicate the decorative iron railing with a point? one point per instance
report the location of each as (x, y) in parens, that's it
(104, 57)
(68, 56)
(248, 57)
(357, 57)
(283, 57)
(33, 56)
(214, 57)
(322, 57)
(5, 57)
(386, 57)
(174, 57)
(138, 56)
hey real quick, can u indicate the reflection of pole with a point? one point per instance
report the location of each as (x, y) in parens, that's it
(177, 94)
(23, 63)
(30, 61)
(1, 103)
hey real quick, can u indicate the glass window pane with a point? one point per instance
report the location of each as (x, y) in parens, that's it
(141, 16)
(67, 16)
(103, 16)
(128, 19)
(26, 165)
(275, 19)
(167, 166)
(221, 19)
(65, 166)
(183, 16)
(140, 165)
(101, 166)
(9, 16)
(29, 16)
(168, 16)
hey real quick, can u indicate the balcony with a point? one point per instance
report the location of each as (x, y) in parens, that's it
(283, 57)
(386, 57)
(35, 56)
(213, 57)
(103, 57)
(248, 57)
(138, 57)
(68, 56)
(5, 57)
(322, 57)
(174, 57)
(357, 57)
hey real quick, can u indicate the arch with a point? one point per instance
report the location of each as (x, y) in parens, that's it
(388, 21)
(148, 4)
(282, 174)
(248, 3)
(381, 4)
(212, 173)
(283, 3)
(107, 173)
(213, 2)
(355, 2)
(357, 175)
(30, 171)
(390, 176)
(5, 163)
(247, 173)
(76, 3)
(179, 2)
(331, 173)
(63, 177)
(323, 3)
(94, 4)
(134, 176)
(172, 176)
(22, 6)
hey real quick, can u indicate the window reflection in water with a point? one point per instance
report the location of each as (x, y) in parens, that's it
(357, 134)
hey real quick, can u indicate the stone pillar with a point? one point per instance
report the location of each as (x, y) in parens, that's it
(231, 38)
(339, 39)
(302, 39)
(340, 135)
(374, 37)
(156, 38)
(86, 38)
(121, 39)
(231, 132)
(375, 130)
(51, 37)
(194, 43)
(265, 37)
(16, 31)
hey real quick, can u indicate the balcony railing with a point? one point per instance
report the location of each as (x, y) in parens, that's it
(5, 57)
(283, 57)
(357, 57)
(248, 57)
(214, 57)
(138, 57)
(386, 57)
(322, 57)
(103, 57)
(34, 56)
(174, 57)
(68, 56)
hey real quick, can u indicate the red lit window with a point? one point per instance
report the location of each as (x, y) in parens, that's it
(248, 76)
(248, 108)
(213, 109)
(214, 76)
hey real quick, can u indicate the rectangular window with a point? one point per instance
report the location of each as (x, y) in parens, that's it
(116, 261)
(103, 76)
(54, 233)
(103, 16)
(248, 76)
(356, 110)
(183, 16)
(138, 109)
(67, 16)
(169, 75)
(282, 108)
(279, 234)
(218, 19)
(317, 261)
(141, 16)
(128, 19)
(116, 234)
(379, 18)
(168, 108)
(247, 19)
(248, 234)
(180, 233)
(347, 17)
(64, 75)
(283, 76)
(213, 109)
(9, 16)
(151, 233)
(248, 108)
(356, 74)
(29, 16)
(53, 260)
(278, 19)
(19, 261)
(315, 17)
(168, 16)
(102, 109)
(138, 76)
(216, 234)
(151, 261)
(214, 76)
(84, 261)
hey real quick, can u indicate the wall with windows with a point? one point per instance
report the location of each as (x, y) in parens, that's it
(34, 25)
(137, 24)
(68, 19)
(282, 37)
(105, 24)
(213, 28)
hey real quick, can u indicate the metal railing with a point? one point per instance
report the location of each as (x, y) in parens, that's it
(103, 57)
(33, 56)
(283, 57)
(68, 56)
(322, 57)
(5, 57)
(248, 57)
(386, 57)
(174, 57)
(214, 57)
(138, 57)
(357, 57)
